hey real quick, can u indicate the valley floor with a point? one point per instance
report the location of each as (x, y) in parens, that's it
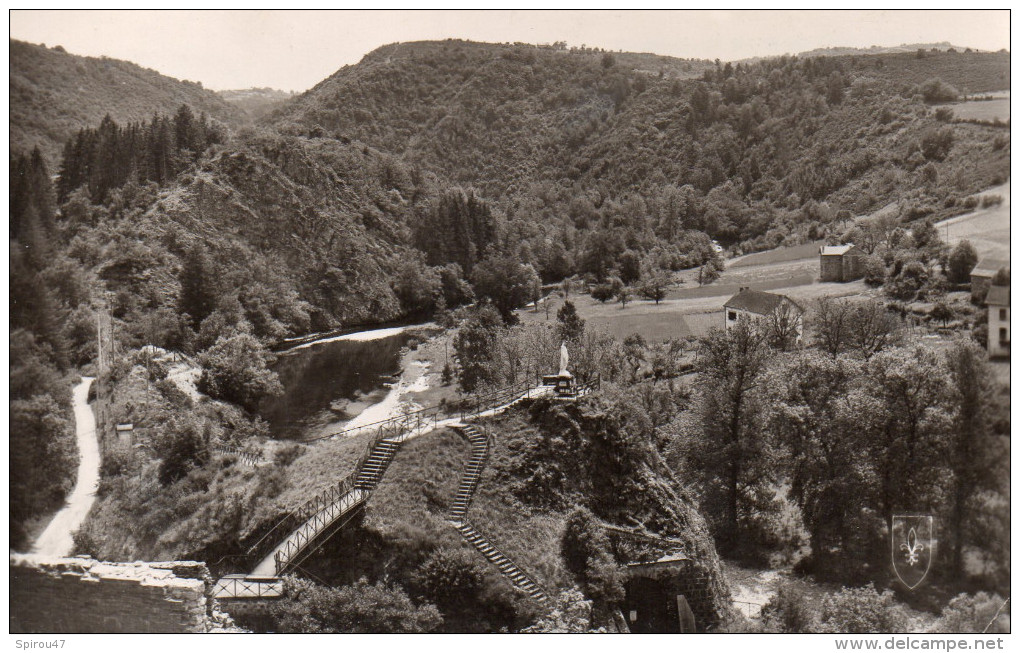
(692, 310)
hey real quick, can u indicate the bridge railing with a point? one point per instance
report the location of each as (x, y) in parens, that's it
(293, 520)
(239, 586)
(312, 527)
(327, 497)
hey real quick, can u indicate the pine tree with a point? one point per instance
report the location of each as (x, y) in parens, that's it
(198, 286)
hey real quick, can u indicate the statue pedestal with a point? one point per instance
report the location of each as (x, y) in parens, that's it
(563, 383)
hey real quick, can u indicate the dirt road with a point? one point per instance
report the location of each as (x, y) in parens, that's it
(57, 539)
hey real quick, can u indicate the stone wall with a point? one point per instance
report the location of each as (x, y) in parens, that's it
(82, 595)
(672, 579)
(831, 268)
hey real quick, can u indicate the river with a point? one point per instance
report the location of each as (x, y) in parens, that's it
(329, 382)
(57, 539)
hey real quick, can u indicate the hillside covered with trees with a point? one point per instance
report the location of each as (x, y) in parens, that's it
(577, 146)
(53, 94)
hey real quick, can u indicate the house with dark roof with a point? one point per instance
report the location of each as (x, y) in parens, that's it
(841, 262)
(981, 275)
(758, 305)
(997, 301)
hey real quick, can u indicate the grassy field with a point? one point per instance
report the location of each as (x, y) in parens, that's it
(986, 229)
(989, 110)
(693, 310)
(320, 465)
(969, 72)
(778, 255)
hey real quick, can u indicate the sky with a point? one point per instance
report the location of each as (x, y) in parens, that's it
(294, 50)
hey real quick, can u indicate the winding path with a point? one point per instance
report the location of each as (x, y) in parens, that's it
(57, 539)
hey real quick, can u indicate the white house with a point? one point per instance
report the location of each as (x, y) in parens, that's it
(998, 321)
(757, 305)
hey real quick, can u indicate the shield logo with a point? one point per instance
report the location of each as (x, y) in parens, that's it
(913, 547)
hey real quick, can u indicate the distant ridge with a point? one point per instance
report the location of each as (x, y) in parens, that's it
(53, 94)
(256, 102)
(836, 51)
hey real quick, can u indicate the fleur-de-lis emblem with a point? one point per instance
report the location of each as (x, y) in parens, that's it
(912, 547)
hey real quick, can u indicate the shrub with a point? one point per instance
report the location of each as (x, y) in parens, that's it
(236, 369)
(977, 613)
(942, 312)
(287, 454)
(602, 293)
(861, 610)
(182, 444)
(874, 271)
(357, 608)
(961, 261)
(118, 461)
(789, 611)
(570, 613)
(936, 143)
(935, 90)
(988, 201)
(43, 458)
(585, 550)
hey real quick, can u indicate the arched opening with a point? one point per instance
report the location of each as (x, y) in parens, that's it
(649, 607)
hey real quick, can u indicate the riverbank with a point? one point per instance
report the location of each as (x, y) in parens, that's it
(420, 382)
(58, 537)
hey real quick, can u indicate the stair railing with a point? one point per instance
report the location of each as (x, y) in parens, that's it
(503, 553)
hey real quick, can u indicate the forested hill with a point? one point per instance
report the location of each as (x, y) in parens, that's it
(736, 150)
(53, 94)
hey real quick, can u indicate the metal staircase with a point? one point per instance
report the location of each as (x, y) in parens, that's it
(481, 445)
(506, 566)
(302, 532)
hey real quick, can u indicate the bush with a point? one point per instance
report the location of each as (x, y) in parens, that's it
(287, 454)
(43, 459)
(935, 90)
(961, 261)
(989, 201)
(861, 610)
(585, 550)
(874, 271)
(357, 608)
(979, 613)
(942, 312)
(789, 611)
(182, 444)
(570, 613)
(118, 461)
(936, 143)
(236, 369)
(602, 293)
